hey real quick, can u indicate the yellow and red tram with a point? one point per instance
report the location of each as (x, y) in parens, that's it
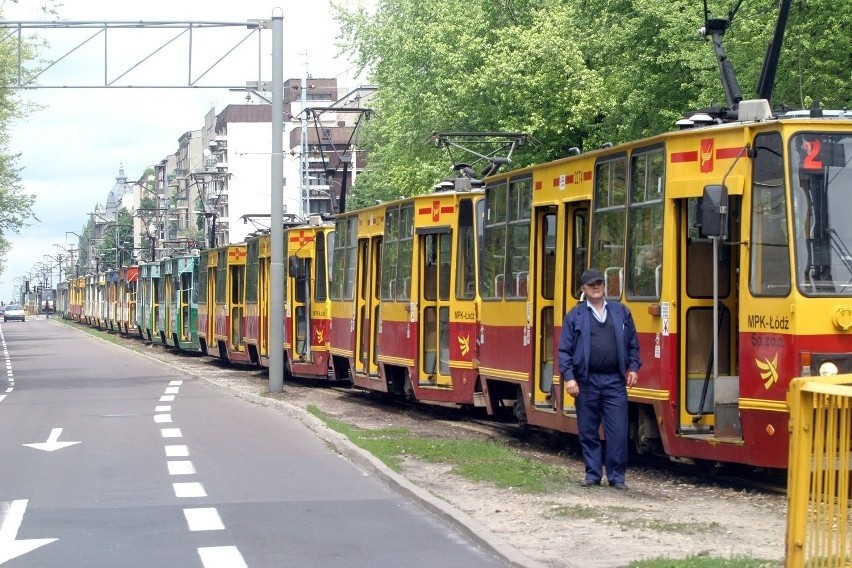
(222, 295)
(777, 297)
(404, 301)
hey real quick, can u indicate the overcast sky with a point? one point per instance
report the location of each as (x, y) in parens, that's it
(72, 149)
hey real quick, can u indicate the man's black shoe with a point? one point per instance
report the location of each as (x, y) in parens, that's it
(590, 483)
(619, 486)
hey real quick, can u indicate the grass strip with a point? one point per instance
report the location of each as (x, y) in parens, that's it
(479, 461)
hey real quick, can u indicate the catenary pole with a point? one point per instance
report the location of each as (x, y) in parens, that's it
(276, 303)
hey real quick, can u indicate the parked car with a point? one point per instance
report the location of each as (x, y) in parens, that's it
(14, 312)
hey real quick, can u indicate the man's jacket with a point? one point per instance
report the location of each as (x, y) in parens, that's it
(575, 347)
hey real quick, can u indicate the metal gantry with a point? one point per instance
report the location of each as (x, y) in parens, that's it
(176, 33)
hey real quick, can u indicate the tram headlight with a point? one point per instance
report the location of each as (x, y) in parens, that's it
(827, 369)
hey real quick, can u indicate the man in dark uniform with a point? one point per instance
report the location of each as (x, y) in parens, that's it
(598, 359)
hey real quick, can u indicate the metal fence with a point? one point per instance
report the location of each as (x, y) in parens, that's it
(818, 512)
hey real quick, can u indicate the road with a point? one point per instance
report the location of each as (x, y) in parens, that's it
(108, 459)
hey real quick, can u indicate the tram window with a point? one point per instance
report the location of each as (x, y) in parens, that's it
(430, 269)
(201, 277)
(252, 251)
(321, 287)
(770, 246)
(549, 255)
(645, 224)
(465, 273)
(345, 257)
(221, 277)
(493, 249)
(822, 204)
(237, 283)
(338, 260)
(580, 246)
(608, 223)
(445, 242)
(351, 259)
(390, 254)
(518, 256)
(331, 244)
(406, 252)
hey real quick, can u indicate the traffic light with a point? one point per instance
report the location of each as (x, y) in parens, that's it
(27, 286)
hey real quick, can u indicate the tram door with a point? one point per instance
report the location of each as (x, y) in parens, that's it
(301, 319)
(184, 300)
(165, 323)
(706, 407)
(156, 301)
(367, 306)
(542, 295)
(263, 291)
(237, 281)
(435, 271)
(562, 255)
(211, 300)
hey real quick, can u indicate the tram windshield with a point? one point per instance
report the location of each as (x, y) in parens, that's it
(821, 184)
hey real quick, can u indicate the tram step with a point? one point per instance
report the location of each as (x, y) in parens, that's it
(711, 436)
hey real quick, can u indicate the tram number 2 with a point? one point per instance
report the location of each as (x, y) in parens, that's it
(767, 341)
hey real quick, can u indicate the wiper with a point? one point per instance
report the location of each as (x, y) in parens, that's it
(842, 252)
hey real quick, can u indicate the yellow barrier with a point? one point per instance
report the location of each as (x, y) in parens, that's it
(818, 513)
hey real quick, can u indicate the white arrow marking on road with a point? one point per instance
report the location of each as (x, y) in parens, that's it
(11, 515)
(52, 443)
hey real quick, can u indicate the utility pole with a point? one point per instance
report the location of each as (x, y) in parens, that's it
(276, 269)
(306, 191)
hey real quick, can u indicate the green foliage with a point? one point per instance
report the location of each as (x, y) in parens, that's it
(567, 73)
(16, 206)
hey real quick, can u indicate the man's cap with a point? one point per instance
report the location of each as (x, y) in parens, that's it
(590, 276)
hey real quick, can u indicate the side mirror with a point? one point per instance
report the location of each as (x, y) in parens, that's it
(294, 265)
(714, 211)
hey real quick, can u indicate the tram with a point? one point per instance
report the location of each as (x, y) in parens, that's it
(734, 231)
(403, 296)
(222, 282)
(178, 314)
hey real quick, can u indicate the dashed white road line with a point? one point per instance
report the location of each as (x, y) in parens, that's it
(177, 451)
(183, 467)
(190, 489)
(203, 519)
(10, 378)
(197, 518)
(221, 557)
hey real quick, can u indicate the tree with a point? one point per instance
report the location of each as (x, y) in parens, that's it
(16, 206)
(566, 72)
